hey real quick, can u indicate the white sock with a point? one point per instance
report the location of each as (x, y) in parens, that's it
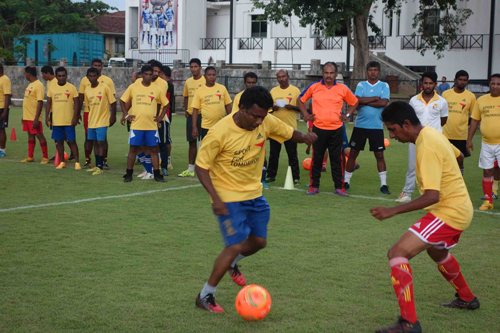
(169, 160)
(159, 156)
(347, 177)
(238, 258)
(191, 167)
(207, 289)
(2, 150)
(383, 178)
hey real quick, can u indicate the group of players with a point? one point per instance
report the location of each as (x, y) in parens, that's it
(158, 25)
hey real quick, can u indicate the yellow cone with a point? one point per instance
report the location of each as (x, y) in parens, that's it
(289, 180)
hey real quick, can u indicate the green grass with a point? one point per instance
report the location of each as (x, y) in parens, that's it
(137, 263)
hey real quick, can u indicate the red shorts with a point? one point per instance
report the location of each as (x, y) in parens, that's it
(86, 122)
(495, 165)
(28, 127)
(433, 231)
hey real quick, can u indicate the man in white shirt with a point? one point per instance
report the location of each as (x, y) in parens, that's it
(432, 111)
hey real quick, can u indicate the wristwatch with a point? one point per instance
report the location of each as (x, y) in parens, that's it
(347, 115)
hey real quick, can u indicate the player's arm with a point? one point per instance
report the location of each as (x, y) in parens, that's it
(76, 103)
(47, 111)
(430, 197)
(444, 113)
(228, 108)
(474, 124)
(302, 109)
(39, 107)
(194, 132)
(367, 100)
(81, 98)
(204, 177)
(443, 121)
(6, 107)
(381, 103)
(350, 111)
(308, 138)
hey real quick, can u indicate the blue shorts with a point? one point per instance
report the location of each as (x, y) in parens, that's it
(143, 138)
(98, 134)
(245, 218)
(345, 141)
(59, 131)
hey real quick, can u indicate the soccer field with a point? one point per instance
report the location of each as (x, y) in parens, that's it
(91, 253)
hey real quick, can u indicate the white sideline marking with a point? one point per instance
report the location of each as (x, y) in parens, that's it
(97, 198)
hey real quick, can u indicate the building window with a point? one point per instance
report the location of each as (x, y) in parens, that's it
(119, 44)
(431, 22)
(259, 26)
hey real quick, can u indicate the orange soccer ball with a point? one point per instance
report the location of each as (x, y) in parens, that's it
(307, 163)
(387, 142)
(65, 157)
(253, 303)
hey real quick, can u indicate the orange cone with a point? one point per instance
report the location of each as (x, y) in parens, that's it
(57, 160)
(13, 136)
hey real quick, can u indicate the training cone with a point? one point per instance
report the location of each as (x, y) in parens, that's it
(13, 136)
(289, 180)
(57, 160)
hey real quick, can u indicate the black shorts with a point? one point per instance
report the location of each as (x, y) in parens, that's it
(128, 125)
(375, 138)
(461, 145)
(189, 128)
(5, 122)
(203, 133)
(164, 132)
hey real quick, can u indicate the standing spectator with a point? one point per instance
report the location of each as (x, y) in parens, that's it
(5, 95)
(443, 86)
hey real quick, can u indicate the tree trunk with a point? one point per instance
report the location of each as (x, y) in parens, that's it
(361, 50)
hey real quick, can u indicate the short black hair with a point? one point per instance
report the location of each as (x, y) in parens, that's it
(398, 112)
(431, 75)
(151, 61)
(47, 69)
(1, 68)
(444, 77)
(196, 61)
(461, 73)
(372, 64)
(256, 95)
(251, 75)
(146, 68)
(156, 64)
(92, 70)
(61, 69)
(330, 63)
(96, 60)
(210, 68)
(31, 70)
(497, 75)
(167, 71)
(286, 72)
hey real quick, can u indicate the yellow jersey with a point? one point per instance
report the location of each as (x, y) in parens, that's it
(84, 83)
(5, 89)
(290, 95)
(190, 88)
(163, 85)
(33, 94)
(98, 100)
(144, 107)
(235, 156)
(211, 102)
(460, 107)
(62, 103)
(487, 110)
(236, 102)
(437, 169)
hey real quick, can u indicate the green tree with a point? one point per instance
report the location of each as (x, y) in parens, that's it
(328, 16)
(24, 17)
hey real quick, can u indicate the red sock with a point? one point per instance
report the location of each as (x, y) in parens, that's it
(402, 281)
(488, 189)
(45, 151)
(324, 163)
(31, 148)
(450, 269)
(105, 156)
(88, 153)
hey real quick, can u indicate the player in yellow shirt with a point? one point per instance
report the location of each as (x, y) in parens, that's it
(146, 99)
(487, 111)
(192, 84)
(32, 114)
(5, 96)
(234, 151)
(449, 212)
(249, 80)
(460, 105)
(98, 99)
(61, 112)
(212, 101)
(285, 108)
(84, 83)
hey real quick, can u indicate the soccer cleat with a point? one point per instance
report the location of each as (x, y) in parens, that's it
(61, 165)
(385, 190)
(98, 172)
(92, 169)
(186, 173)
(87, 166)
(71, 157)
(265, 186)
(44, 161)
(208, 303)
(312, 191)
(128, 178)
(347, 186)
(2, 154)
(459, 303)
(494, 196)
(356, 167)
(52, 159)
(164, 172)
(237, 276)
(270, 180)
(78, 166)
(486, 205)
(296, 182)
(105, 166)
(28, 159)
(323, 170)
(170, 166)
(341, 192)
(402, 326)
(403, 197)
(148, 176)
(142, 174)
(159, 179)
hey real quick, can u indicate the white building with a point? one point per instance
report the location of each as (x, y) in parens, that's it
(203, 29)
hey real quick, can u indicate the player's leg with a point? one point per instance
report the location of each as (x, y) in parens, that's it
(89, 144)
(60, 151)
(169, 147)
(349, 169)
(105, 165)
(496, 178)
(405, 195)
(487, 160)
(4, 123)
(162, 132)
(319, 148)
(192, 149)
(31, 142)
(132, 152)
(151, 140)
(293, 160)
(43, 144)
(334, 144)
(71, 140)
(357, 144)
(274, 156)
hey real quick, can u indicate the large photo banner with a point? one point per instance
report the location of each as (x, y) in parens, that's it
(158, 25)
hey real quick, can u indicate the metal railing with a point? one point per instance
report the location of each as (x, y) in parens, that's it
(377, 42)
(213, 43)
(467, 42)
(163, 56)
(411, 42)
(288, 43)
(134, 43)
(251, 43)
(328, 43)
